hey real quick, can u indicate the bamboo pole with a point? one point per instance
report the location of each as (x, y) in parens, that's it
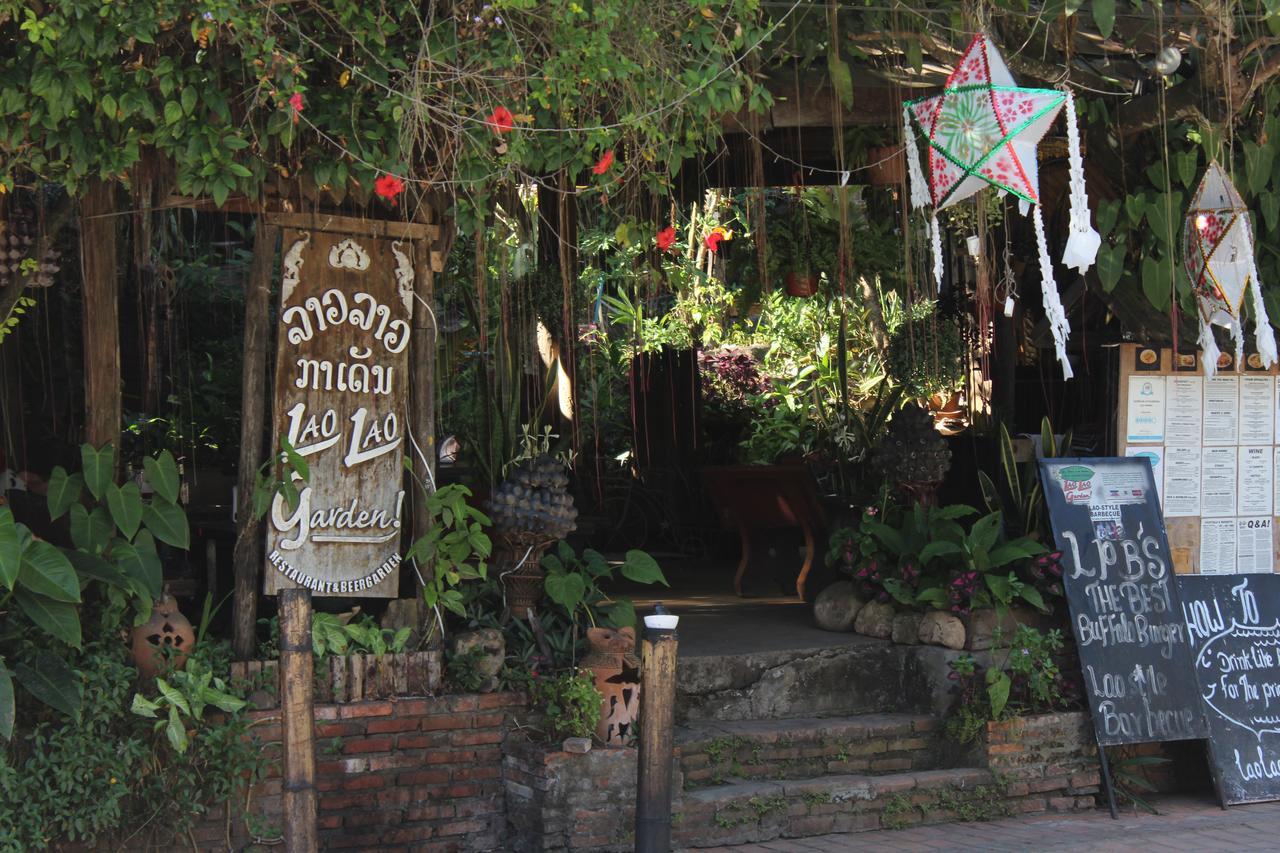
(657, 721)
(253, 415)
(298, 721)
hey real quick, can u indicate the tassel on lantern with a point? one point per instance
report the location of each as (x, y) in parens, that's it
(935, 235)
(1264, 337)
(1082, 240)
(1208, 348)
(1053, 310)
(919, 187)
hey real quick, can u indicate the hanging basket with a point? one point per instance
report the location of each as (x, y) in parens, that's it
(801, 284)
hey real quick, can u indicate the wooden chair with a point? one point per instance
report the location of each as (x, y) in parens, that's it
(754, 498)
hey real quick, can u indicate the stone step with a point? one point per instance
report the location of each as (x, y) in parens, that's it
(873, 744)
(754, 811)
(853, 675)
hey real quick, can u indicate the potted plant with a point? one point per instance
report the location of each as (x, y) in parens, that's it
(803, 245)
(926, 355)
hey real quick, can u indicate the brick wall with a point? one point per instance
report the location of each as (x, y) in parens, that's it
(1049, 761)
(568, 801)
(421, 772)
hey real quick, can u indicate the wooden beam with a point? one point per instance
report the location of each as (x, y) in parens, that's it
(102, 402)
(396, 229)
(253, 416)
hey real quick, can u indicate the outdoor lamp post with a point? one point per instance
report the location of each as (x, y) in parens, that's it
(657, 720)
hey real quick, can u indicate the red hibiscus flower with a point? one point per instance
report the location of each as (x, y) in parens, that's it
(713, 240)
(388, 187)
(666, 238)
(295, 101)
(501, 120)
(602, 165)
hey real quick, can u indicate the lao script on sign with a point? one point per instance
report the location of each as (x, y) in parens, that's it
(346, 305)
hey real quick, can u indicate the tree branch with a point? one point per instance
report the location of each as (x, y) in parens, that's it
(13, 291)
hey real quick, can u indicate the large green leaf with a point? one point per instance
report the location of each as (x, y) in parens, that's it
(1257, 165)
(1018, 549)
(8, 709)
(139, 566)
(125, 504)
(47, 571)
(162, 474)
(1111, 264)
(841, 77)
(168, 523)
(939, 549)
(92, 567)
(986, 531)
(1105, 217)
(622, 613)
(888, 536)
(1165, 209)
(998, 691)
(10, 553)
(90, 530)
(642, 568)
(51, 679)
(64, 490)
(1104, 16)
(99, 468)
(566, 590)
(1186, 162)
(59, 619)
(1156, 282)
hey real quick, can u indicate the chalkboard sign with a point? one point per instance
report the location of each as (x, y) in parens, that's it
(1234, 625)
(1124, 603)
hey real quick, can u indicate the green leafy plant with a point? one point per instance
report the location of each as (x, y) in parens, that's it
(464, 670)
(332, 634)
(279, 476)
(570, 704)
(1025, 677)
(182, 704)
(114, 533)
(574, 583)
(926, 352)
(1018, 496)
(453, 550)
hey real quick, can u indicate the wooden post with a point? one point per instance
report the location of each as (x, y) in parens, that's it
(253, 415)
(657, 721)
(298, 721)
(102, 403)
(422, 380)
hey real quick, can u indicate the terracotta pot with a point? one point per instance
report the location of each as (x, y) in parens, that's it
(616, 668)
(167, 634)
(801, 284)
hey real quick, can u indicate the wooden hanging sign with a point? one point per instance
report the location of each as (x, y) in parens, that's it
(342, 379)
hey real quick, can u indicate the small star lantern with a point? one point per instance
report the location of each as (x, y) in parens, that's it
(1217, 251)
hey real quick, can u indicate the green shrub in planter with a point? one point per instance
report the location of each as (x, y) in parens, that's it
(571, 704)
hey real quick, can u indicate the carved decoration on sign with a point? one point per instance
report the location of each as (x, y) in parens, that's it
(293, 266)
(404, 277)
(349, 255)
